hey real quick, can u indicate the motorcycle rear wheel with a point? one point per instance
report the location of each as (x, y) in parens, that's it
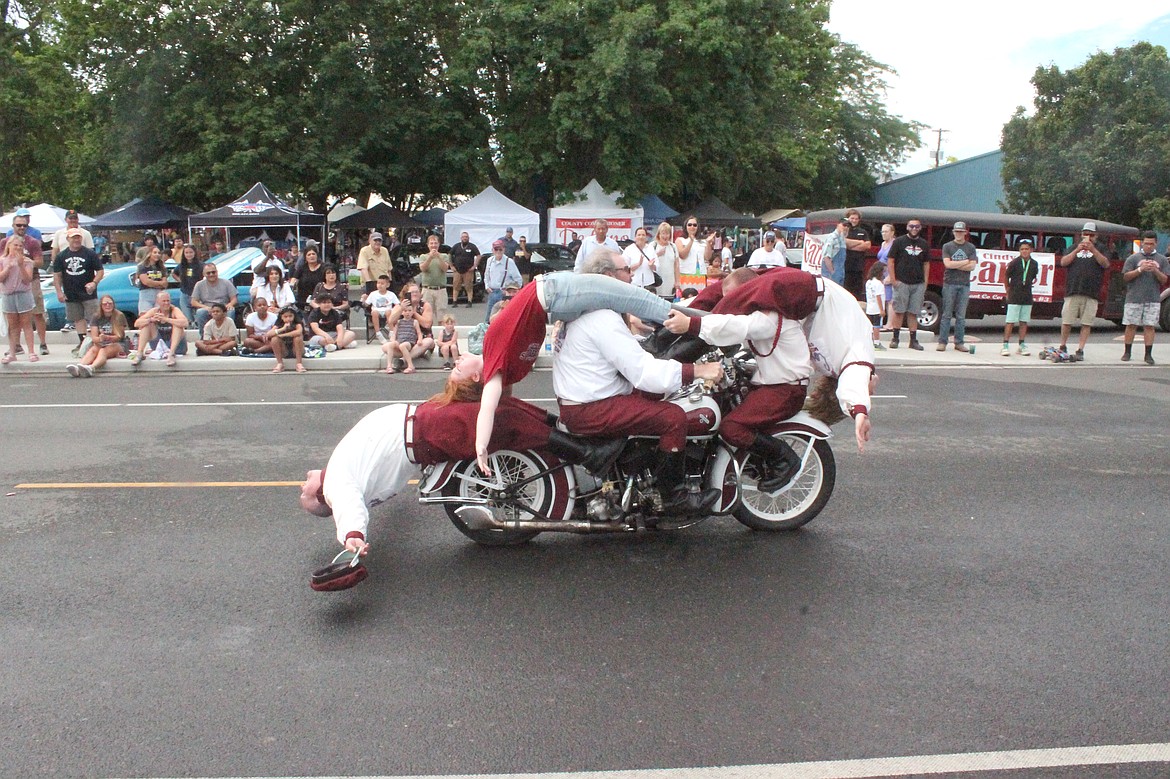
(512, 467)
(806, 495)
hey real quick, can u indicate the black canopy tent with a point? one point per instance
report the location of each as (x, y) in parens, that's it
(382, 215)
(142, 213)
(258, 207)
(713, 212)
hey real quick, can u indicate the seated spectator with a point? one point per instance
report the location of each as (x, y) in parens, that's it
(327, 326)
(219, 335)
(476, 336)
(272, 287)
(107, 331)
(337, 290)
(379, 302)
(449, 342)
(405, 344)
(161, 327)
(258, 325)
(152, 276)
(287, 338)
(211, 289)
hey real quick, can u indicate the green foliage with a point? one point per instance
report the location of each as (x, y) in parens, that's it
(1098, 141)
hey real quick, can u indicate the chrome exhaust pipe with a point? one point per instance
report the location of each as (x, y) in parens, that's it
(481, 518)
(478, 518)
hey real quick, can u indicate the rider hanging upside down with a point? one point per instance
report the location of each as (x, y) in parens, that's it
(376, 458)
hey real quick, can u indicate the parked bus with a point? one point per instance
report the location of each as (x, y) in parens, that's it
(997, 236)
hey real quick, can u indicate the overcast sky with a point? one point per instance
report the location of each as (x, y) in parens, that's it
(965, 66)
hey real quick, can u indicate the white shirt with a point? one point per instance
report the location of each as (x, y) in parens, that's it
(789, 362)
(382, 301)
(589, 245)
(841, 340)
(278, 299)
(762, 258)
(665, 257)
(643, 274)
(875, 296)
(260, 326)
(61, 242)
(599, 358)
(695, 263)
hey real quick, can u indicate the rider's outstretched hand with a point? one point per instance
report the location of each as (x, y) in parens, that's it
(677, 322)
(357, 545)
(481, 459)
(862, 427)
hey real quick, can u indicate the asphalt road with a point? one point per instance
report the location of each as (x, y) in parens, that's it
(989, 575)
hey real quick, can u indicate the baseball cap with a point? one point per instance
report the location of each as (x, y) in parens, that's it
(959, 226)
(769, 236)
(508, 230)
(375, 236)
(1090, 227)
(22, 212)
(845, 221)
(71, 214)
(74, 232)
(511, 285)
(497, 244)
(1023, 241)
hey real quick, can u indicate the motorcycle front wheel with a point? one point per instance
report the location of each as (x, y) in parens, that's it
(510, 467)
(806, 495)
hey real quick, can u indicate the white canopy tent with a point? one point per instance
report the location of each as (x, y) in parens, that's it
(45, 217)
(593, 203)
(486, 216)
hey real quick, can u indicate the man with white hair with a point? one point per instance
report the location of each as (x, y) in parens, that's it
(592, 243)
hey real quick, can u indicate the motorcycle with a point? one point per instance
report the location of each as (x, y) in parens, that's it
(597, 486)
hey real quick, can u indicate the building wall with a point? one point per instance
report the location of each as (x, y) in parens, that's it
(973, 184)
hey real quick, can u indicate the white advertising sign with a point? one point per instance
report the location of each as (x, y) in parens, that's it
(987, 279)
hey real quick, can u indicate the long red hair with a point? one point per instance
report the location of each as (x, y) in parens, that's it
(466, 390)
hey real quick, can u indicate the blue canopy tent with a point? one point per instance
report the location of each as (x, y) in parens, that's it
(655, 211)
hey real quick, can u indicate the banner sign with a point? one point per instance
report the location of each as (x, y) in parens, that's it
(619, 229)
(987, 278)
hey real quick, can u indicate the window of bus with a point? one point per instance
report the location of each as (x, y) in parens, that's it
(1057, 244)
(986, 239)
(1012, 240)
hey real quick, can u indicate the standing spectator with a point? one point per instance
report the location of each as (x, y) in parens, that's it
(268, 260)
(292, 258)
(77, 271)
(1145, 272)
(288, 339)
(337, 290)
(258, 325)
(373, 261)
(152, 276)
(574, 244)
(273, 288)
(327, 326)
(16, 280)
(148, 242)
(162, 327)
(641, 260)
(433, 274)
(693, 251)
(833, 253)
(883, 256)
(910, 259)
(857, 242)
(307, 277)
(188, 273)
(499, 270)
(599, 238)
(449, 342)
(1082, 286)
(768, 256)
(219, 334)
(1019, 276)
(61, 237)
(666, 262)
(510, 244)
(465, 258)
(959, 259)
(379, 302)
(875, 302)
(23, 234)
(177, 244)
(523, 258)
(208, 291)
(727, 254)
(107, 330)
(216, 247)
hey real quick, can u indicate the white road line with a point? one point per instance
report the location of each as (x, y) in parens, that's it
(196, 404)
(967, 762)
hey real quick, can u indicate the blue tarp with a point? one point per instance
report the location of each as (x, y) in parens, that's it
(655, 211)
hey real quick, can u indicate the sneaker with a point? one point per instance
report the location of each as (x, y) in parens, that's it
(19, 349)
(399, 363)
(962, 348)
(86, 371)
(877, 346)
(917, 346)
(44, 350)
(1024, 350)
(939, 348)
(74, 370)
(76, 351)
(1005, 351)
(1149, 360)
(382, 337)
(1079, 356)
(894, 343)
(135, 358)
(331, 347)
(68, 328)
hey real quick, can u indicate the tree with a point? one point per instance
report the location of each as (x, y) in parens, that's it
(1098, 141)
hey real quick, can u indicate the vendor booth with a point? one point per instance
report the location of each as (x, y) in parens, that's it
(593, 203)
(260, 210)
(142, 213)
(485, 218)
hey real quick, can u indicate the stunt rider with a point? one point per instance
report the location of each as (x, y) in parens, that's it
(748, 312)
(599, 365)
(376, 458)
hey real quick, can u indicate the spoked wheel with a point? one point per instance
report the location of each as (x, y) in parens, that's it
(508, 467)
(804, 497)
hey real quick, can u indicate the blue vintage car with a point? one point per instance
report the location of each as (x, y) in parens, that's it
(236, 265)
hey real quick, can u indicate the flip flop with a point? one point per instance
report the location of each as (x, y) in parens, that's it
(278, 369)
(390, 369)
(171, 362)
(409, 370)
(302, 369)
(33, 358)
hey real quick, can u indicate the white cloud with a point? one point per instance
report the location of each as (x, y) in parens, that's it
(965, 66)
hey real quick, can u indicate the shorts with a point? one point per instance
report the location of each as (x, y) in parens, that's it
(1018, 313)
(38, 297)
(1078, 309)
(18, 302)
(908, 298)
(81, 309)
(1141, 314)
(875, 319)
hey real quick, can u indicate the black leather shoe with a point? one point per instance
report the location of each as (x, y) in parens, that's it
(683, 502)
(776, 477)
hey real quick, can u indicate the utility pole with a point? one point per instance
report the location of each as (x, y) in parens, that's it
(938, 146)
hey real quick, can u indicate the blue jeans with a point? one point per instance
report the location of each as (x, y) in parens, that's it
(495, 296)
(568, 295)
(954, 303)
(202, 316)
(185, 306)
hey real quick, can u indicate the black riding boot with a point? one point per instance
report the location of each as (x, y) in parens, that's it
(595, 454)
(676, 495)
(776, 461)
